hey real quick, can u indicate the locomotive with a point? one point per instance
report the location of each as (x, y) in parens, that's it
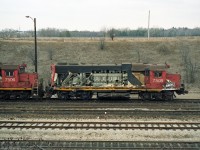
(82, 81)
(15, 83)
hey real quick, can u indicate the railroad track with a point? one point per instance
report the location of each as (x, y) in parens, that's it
(99, 109)
(44, 106)
(40, 144)
(8, 106)
(100, 112)
(99, 125)
(189, 104)
(105, 100)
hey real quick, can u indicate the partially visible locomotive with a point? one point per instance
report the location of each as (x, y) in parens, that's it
(82, 81)
(15, 83)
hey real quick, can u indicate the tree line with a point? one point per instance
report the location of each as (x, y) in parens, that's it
(111, 32)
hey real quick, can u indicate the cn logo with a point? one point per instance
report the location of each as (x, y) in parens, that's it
(10, 79)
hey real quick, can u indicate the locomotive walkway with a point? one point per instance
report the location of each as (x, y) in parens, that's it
(126, 145)
(100, 125)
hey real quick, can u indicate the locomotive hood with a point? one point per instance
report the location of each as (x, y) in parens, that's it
(143, 67)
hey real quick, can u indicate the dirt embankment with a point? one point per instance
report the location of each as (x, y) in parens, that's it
(122, 50)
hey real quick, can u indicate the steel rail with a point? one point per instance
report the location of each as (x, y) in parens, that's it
(98, 105)
(94, 112)
(100, 125)
(94, 100)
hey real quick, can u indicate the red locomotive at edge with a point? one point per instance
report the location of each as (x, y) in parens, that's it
(83, 81)
(15, 83)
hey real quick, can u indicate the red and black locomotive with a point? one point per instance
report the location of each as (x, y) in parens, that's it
(82, 81)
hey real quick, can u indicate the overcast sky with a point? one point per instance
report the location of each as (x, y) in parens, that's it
(94, 15)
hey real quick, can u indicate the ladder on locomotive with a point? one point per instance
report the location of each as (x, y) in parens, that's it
(35, 88)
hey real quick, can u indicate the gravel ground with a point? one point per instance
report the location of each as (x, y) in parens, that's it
(190, 95)
(102, 135)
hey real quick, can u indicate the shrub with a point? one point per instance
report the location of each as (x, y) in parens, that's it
(163, 49)
(50, 53)
(102, 43)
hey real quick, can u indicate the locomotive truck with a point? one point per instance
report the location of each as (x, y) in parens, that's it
(82, 81)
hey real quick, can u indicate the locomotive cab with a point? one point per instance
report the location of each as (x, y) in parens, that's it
(155, 79)
(9, 76)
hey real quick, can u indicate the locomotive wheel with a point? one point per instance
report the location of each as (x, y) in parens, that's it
(145, 96)
(24, 96)
(6, 96)
(86, 96)
(63, 96)
(1, 95)
(168, 95)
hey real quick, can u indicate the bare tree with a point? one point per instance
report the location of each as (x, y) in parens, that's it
(138, 54)
(190, 67)
(103, 38)
(104, 31)
(50, 53)
(111, 33)
(102, 43)
(163, 49)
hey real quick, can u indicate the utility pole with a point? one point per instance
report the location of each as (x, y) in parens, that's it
(35, 45)
(148, 25)
(34, 20)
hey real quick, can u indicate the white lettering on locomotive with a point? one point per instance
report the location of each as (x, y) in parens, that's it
(158, 80)
(10, 79)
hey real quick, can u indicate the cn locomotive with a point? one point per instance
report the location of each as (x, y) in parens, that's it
(83, 81)
(15, 83)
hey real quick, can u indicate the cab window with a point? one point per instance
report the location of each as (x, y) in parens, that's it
(21, 69)
(9, 73)
(147, 72)
(157, 74)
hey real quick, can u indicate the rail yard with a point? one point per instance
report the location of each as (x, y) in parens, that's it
(43, 124)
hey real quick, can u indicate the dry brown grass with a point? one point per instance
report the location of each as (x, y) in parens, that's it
(86, 50)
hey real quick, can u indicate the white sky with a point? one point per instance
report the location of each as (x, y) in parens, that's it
(94, 15)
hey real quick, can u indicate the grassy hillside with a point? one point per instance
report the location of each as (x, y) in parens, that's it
(83, 50)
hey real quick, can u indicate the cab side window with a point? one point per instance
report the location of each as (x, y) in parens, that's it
(157, 74)
(147, 72)
(9, 73)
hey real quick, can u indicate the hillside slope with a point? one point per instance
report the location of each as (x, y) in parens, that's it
(82, 50)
